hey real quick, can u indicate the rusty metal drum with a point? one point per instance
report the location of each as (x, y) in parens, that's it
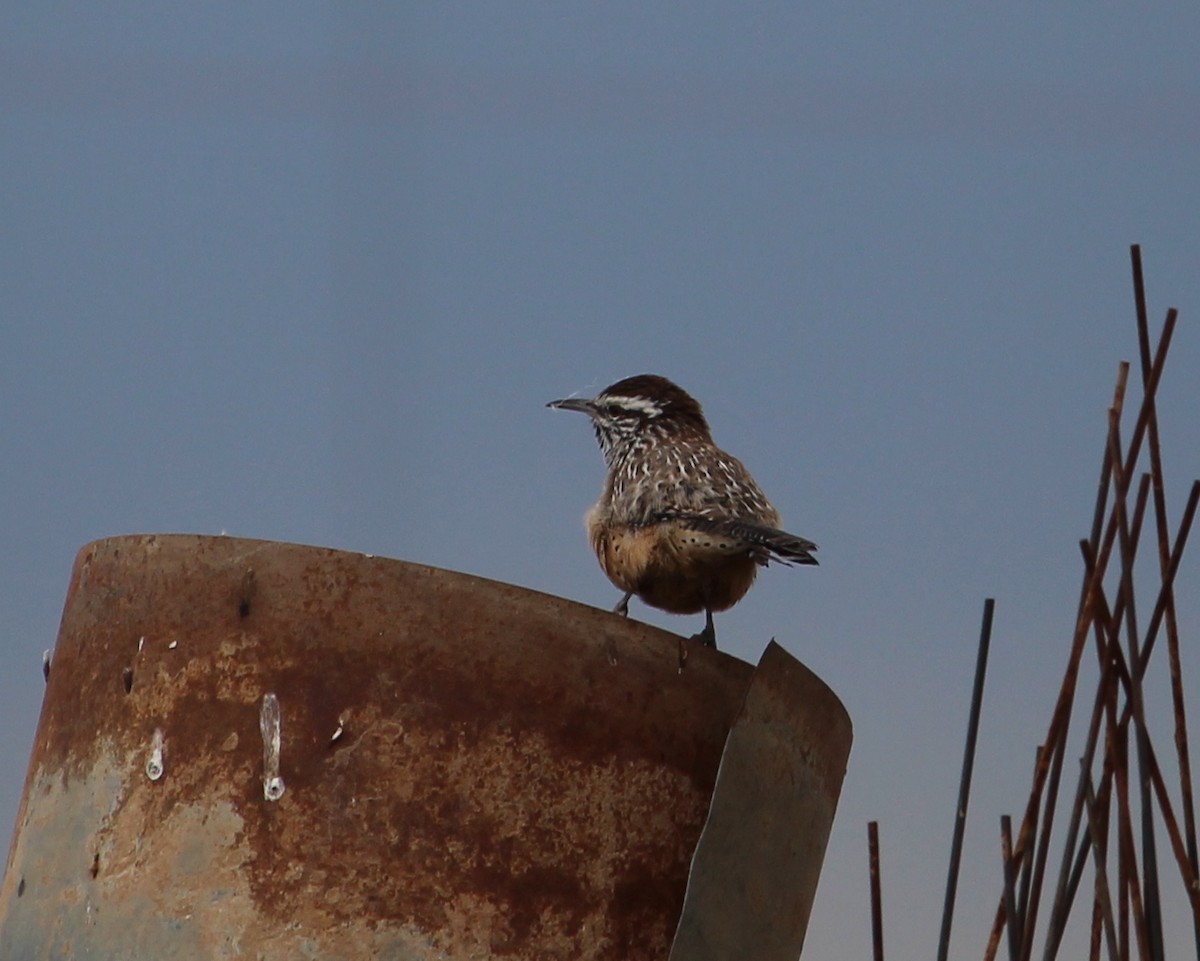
(250, 749)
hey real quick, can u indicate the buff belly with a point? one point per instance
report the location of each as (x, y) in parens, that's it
(674, 569)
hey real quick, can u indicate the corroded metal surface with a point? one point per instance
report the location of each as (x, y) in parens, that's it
(755, 872)
(464, 773)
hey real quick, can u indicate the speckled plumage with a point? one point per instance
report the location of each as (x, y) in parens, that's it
(680, 523)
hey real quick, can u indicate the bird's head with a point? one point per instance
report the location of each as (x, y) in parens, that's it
(638, 410)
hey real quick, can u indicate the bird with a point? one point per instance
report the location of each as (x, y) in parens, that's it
(680, 523)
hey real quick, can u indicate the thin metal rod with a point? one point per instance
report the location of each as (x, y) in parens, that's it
(1145, 757)
(1135, 919)
(1160, 513)
(1014, 925)
(1099, 822)
(1168, 581)
(1038, 872)
(1190, 883)
(1103, 900)
(1164, 551)
(1126, 613)
(1118, 405)
(876, 897)
(1027, 863)
(964, 786)
(1150, 886)
(1150, 389)
(1097, 925)
(1073, 858)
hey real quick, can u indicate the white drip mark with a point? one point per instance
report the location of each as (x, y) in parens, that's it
(341, 726)
(269, 724)
(154, 766)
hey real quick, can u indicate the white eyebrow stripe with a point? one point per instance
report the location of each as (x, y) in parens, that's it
(637, 404)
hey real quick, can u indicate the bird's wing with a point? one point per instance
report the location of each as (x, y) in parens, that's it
(767, 543)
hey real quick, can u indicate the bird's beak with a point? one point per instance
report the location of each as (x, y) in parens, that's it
(573, 403)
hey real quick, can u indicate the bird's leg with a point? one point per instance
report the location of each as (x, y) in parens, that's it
(622, 607)
(708, 636)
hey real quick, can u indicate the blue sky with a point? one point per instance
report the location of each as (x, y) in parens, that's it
(310, 273)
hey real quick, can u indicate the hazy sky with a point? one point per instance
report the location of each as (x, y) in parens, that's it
(310, 272)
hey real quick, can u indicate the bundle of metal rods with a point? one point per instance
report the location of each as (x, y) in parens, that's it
(1122, 800)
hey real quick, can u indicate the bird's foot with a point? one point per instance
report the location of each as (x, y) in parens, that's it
(708, 636)
(622, 607)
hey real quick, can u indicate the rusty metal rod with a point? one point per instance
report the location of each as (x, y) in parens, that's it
(1190, 883)
(1106, 628)
(1149, 391)
(1150, 858)
(1043, 846)
(1182, 750)
(1104, 807)
(1150, 885)
(999, 922)
(1025, 880)
(876, 897)
(1124, 849)
(1168, 581)
(1003, 918)
(1010, 889)
(1128, 863)
(1098, 510)
(1100, 855)
(1173, 641)
(1116, 755)
(1187, 846)
(1077, 869)
(1074, 856)
(1126, 615)
(964, 786)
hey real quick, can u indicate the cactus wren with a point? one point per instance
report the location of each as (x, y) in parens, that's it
(680, 523)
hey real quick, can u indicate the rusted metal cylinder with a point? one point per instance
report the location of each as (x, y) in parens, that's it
(258, 750)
